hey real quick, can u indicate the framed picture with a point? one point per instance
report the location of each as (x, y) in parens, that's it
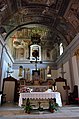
(35, 50)
(22, 82)
(42, 74)
(35, 74)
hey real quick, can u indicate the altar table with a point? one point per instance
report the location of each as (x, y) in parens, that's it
(40, 95)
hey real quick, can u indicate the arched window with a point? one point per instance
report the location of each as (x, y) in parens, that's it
(61, 48)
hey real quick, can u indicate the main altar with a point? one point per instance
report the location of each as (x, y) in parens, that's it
(40, 95)
(38, 88)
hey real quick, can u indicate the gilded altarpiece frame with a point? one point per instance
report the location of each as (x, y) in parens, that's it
(42, 74)
(27, 74)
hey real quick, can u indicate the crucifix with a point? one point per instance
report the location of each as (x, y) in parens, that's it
(36, 55)
(36, 63)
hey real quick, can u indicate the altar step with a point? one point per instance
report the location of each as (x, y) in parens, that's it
(12, 111)
(18, 113)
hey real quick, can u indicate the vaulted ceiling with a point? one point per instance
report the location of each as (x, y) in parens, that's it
(60, 18)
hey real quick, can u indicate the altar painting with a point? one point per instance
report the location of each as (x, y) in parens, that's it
(36, 75)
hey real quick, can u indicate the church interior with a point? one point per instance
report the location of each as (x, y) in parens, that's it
(39, 51)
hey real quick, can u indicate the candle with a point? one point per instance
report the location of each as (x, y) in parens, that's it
(55, 87)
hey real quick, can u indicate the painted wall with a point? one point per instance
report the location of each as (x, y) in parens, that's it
(68, 53)
(54, 74)
(32, 67)
(67, 73)
(75, 70)
(59, 72)
(4, 61)
(70, 63)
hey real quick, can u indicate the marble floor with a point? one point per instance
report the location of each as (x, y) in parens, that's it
(12, 111)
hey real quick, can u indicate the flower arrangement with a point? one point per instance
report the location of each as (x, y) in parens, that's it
(53, 106)
(26, 89)
(27, 107)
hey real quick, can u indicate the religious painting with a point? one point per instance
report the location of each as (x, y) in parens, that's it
(20, 53)
(35, 52)
(42, 74)
(36, 74)
(27, 74)
(22, 83)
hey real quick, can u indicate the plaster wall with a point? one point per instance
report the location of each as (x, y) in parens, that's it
(75, 70)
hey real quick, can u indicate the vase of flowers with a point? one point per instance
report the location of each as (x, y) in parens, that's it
(28, 107)
(53, 106)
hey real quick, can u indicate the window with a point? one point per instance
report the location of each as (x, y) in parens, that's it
(61, 48)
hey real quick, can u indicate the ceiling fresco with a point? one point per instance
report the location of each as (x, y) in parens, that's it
(55, 20)
(24, 34)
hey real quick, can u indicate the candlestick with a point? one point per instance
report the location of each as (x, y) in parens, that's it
(55, 87)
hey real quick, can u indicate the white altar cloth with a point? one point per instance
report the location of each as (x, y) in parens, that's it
(40, 95)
